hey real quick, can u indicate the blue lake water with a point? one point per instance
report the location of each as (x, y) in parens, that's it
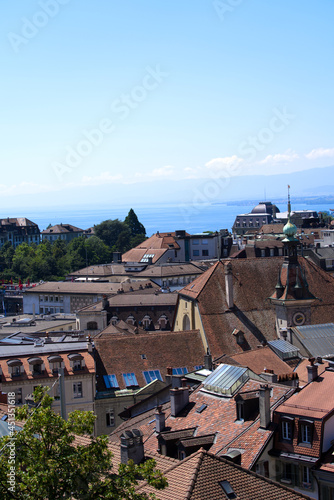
(163, 218)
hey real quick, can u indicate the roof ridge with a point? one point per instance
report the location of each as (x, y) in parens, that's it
(195, 473)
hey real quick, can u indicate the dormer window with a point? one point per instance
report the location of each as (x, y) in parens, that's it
(76, 361)
(287, 428)
(36, 366)
(305, 432)
(55, 363)
(14, 366)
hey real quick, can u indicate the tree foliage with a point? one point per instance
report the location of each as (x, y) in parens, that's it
(50, 465)
(52, 261)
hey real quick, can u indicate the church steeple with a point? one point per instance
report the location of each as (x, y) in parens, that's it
(291, 297)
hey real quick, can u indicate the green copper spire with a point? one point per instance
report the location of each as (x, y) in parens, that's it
(289, 229)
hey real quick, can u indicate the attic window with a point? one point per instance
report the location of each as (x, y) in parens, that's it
(151, 375)
(110, 381)
(201, 408)
(227, 488)
(130, 379)
(143, 356)
(180, 371)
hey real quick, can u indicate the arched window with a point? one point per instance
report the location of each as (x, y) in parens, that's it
(186, 322)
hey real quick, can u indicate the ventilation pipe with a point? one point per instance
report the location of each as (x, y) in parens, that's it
(229, 285)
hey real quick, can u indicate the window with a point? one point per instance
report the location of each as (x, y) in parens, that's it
(305, 433)
(227, 488)
(91, 325)
(287, 475)
(110, 381)
(199, 367)
(18, 396)
(77, 390)
(263, 253)
(77, 365)
(110, 418)
(196, 253)
(130, 379)
(151, 375)
(195, 242)
(306, 477)
(287, 429)
(205, 242)
(16, 371)
(205, 253)
(180, 371)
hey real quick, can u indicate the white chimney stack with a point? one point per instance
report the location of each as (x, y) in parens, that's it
(229, 285)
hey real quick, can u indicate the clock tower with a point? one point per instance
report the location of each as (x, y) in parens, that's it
(291, 298)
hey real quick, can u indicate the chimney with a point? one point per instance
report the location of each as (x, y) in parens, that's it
(105, 303)
(208, 361)
(179, 398)
(159, 419)
(312, 371)
(132, 447)
(269, 375)
(264, 405)
(229, 285)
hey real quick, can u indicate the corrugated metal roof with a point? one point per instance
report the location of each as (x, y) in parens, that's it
(318, 340)
(226, 379)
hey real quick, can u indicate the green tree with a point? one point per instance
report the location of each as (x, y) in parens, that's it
(109, 230)
(136, 227)
(49, 465)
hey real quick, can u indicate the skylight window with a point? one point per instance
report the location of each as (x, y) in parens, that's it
(180, 371)
(151, 375)
(201, 408)
(130, 379)
(110, 381)
(227, 488)
(226, 379)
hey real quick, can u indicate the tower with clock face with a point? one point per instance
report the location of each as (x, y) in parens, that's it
(292, 297)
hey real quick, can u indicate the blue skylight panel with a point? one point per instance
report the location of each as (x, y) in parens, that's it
(151, 375)
(110, 381)
(130, 379)
(180, 371)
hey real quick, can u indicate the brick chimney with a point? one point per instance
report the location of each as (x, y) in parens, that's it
(159, 419)
(132, 447)
(264, 406)
(179, 398)
(312, 370)
(229, 285)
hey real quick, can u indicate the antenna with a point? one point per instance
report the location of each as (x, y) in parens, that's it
(289, 204)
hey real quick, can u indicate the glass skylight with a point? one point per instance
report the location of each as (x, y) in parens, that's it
(226, 379)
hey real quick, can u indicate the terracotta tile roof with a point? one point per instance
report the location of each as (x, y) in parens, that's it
(254, 281)
(136, 254)
(218, 417)
(26, 374)
(315, 400)
(198, 477)
(157, 244)
(117, 354)
(258, 360)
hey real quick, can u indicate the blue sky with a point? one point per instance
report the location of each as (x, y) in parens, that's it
(120, 98)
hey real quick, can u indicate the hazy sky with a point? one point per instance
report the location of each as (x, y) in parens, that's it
(110, 95)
